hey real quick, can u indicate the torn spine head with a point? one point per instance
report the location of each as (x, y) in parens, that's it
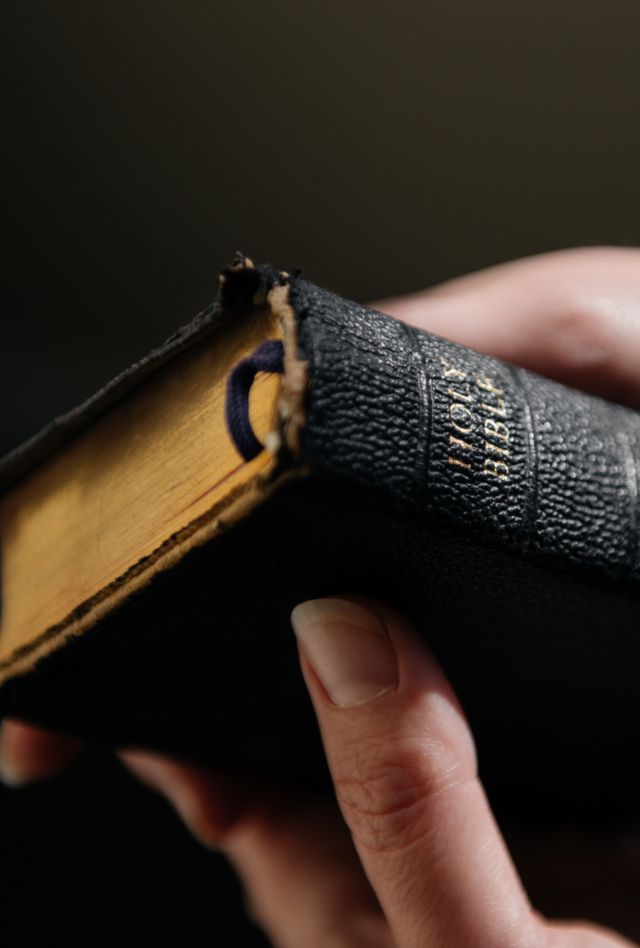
(242, 286)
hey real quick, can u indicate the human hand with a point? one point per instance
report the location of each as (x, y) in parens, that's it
(413, 855)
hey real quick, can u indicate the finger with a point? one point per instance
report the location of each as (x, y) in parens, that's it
(29, 753)
(584, 934)
(403, 764)
(303, 882)
(573, 315)
(208, 803)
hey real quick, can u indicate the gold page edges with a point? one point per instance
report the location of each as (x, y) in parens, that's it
(284, 463)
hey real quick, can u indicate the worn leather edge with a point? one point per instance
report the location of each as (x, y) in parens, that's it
(199, 531)
(232, 297)
(283, 443)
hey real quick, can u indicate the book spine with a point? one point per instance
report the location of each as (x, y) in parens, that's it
(436, 428)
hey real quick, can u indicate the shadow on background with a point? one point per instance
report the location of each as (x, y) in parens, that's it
(380, 148)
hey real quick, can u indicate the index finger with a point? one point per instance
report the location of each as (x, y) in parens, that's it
(573, 315)
(403, 764)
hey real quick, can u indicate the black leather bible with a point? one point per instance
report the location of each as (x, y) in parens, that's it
(497, 508)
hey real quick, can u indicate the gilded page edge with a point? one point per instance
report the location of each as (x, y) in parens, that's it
(284, 445)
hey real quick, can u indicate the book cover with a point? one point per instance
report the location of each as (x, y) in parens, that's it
(498, 509)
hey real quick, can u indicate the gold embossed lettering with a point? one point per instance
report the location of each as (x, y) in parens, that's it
(500, 409)
(459, 463)
(461, 418)
(496, 429)
(496, 468)
(460, 443)
(485, 383)
(450, 371)
(462, 396)
(496, 448)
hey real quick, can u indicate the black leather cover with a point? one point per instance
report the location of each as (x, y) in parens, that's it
(497, 508)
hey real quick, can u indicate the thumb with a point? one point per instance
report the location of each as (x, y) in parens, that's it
(403, 764)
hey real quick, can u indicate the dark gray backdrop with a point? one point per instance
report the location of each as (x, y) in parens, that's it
(381, 147)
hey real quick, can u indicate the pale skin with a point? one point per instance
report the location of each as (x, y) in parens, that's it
(409, 853)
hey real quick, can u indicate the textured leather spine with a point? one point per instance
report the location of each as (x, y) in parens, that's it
(528, 463)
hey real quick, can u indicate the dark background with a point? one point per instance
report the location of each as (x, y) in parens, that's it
(379, 147)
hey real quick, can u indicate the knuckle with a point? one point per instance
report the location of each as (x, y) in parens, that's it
(581, 336)
(594, 256)
(353, 930)
(386, 788)
(581, 264)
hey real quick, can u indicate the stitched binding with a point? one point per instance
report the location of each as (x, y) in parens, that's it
(268, 357)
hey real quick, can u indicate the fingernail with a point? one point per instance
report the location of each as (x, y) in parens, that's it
(9, 776)
(349, 648)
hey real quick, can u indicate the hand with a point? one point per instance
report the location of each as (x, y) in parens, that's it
(411, 856)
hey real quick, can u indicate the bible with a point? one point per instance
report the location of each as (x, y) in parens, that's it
(287, 444)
